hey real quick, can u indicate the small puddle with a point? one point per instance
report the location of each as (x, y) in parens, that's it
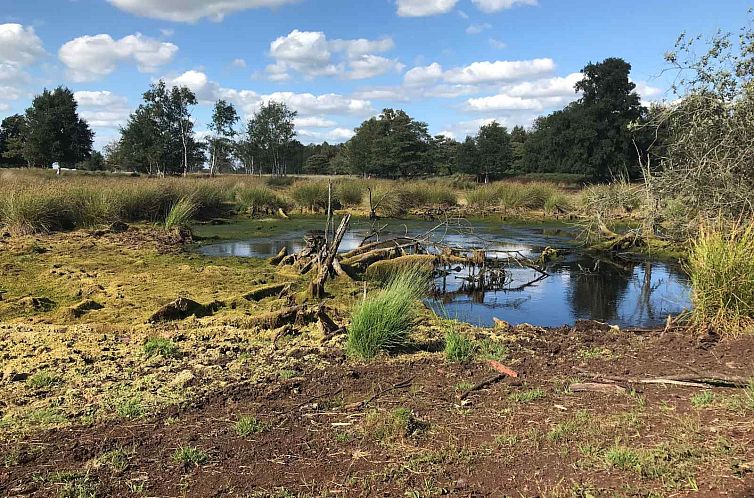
(579, 285)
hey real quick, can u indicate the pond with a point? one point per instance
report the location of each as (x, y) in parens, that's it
(578, 285)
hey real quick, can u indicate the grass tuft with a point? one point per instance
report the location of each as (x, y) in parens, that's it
(159, 346)
(248, 425)
(382, 321)
(458, 348)
(722, 277)
(190, 456)
(180, 213)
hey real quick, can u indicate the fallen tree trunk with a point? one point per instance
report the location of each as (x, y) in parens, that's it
(385, 244)
(275, 260)
(264, 291)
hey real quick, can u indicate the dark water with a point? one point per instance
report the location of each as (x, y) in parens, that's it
(579, 286)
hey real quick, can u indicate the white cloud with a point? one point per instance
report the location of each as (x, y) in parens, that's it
(421, 75)
(395, 93)
(4, 107)
(646, 91)
(103, 109)
(192, 10)
(312, 54)
(307, 104)
(239, 63)
(314, 122)
(498, 44)
(499, 71)
(19, 45)
(422, 8)
(92, 57)
(369, 66)
(475, 29)
(336, 135)
(498, 5)
(536, 95)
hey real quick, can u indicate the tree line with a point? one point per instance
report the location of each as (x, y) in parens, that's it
(595, 137)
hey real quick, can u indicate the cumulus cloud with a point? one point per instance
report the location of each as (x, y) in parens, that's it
(421, 75)
(422, 8)
(312, 54)
(646, 91)
(19, 45)
(498, 44)
(90, 58)
(536, 95)
(192, 10)
(307, 104)
(239, 63)
(103, 109)
(336, 135)
(498, 5)
(499, 71)
(314, 122)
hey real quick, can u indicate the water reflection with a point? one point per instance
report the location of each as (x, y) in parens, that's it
(579, 286)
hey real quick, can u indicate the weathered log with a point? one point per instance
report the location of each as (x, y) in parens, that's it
(387, 267)
(264, 291)
(597, 387)
(364, 248)
(288, 260)
(317, 288)
(276, 319)
(275, 260)
(366, 259)
(339, 269)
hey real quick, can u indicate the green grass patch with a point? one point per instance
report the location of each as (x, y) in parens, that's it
(130, 408)
(249, 425)
(528, 396)
(383, 321)
(722, 277)
(702, 399)
(42, 380)
(180, 213)
(458, 347)
(159, 346)
(190, 456)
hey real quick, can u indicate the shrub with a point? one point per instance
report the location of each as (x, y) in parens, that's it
(42, 379)
(310, 195)
(382, 321)
(721, 267)
(28, 211)
(350, 193)
(257, 199)
(180, 214)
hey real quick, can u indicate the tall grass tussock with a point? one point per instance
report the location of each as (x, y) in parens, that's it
(721, 266)
(383, 321)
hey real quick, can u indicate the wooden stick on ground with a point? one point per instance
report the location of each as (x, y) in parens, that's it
(486, 382)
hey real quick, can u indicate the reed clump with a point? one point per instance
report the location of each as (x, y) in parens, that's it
(721, 267)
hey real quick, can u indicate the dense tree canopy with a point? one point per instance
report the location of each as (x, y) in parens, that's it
(159, 136)
(391, 145)
(590, 136)
(50, 131)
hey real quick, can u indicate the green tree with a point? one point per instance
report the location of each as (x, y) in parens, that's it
(493, 144)
(590, 136)
(270, 132)
(54, 130)
(467, 158)
(391, 145)
(443, 153)
(159, 135)
(95, 162)
(518, 139)
(13, 132)
(224, 118)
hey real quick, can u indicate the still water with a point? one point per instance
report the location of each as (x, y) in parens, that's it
(579, 285)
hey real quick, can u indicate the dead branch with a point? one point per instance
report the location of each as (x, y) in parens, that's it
(317, 287)
(360, 405)
(486, 382)
(701, 379)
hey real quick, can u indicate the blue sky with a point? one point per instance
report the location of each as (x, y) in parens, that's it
(455, 64)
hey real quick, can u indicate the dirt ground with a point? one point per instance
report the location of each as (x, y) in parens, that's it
(231, 411)
(528, 436)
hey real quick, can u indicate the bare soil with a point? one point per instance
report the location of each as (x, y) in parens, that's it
(527, 436)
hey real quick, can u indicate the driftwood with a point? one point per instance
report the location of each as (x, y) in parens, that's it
(699, 379)
(275, 260)
(339, 269)
(264, 291)
(379, 245)
(481, 385)
(597, 387)
(362, 404)
(317, 288)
